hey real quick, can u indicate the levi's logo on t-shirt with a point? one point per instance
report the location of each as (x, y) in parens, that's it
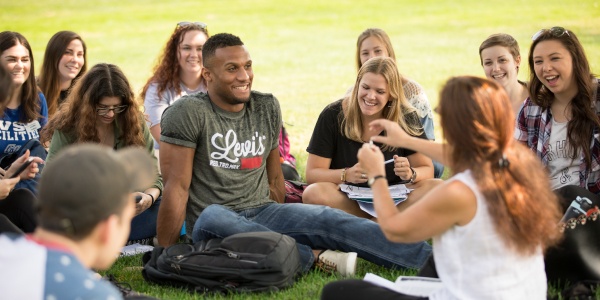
(229, 153)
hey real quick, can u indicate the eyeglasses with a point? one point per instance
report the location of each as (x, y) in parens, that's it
(185, 23)
(102, 111)
(554, 31)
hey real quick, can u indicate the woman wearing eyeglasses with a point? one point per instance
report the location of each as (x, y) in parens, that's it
(101, 109)
(500, 58)
(178, 72)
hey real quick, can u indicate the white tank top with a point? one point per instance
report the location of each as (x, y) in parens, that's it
(473, 262)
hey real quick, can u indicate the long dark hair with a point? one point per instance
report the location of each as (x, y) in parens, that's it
(583, 119)
(49, 79)
(30, 101)
(478, 122)
(78, 114)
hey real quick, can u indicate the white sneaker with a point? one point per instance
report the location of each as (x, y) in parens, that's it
(342, 262)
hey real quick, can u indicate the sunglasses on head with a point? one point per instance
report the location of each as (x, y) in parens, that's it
(554, 31)
(185, 23)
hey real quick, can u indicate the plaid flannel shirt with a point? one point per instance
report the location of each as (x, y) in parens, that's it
(534, 125)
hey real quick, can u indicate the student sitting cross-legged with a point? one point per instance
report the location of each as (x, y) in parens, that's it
(343, 127)
(219, 156)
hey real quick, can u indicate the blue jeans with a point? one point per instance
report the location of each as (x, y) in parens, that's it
(313, 227)
(144, 225)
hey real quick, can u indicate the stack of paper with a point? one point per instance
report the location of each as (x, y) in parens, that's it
(364, 195)
(398, 192)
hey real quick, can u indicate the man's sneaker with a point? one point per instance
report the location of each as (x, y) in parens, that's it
(341, 262)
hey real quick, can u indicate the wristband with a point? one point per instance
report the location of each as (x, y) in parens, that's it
(151, 197)
(343, 177)
(372, 180)
(414, 175)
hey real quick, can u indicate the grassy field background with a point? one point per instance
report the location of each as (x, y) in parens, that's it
(303, 52)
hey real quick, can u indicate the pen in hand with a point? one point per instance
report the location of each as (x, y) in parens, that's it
(385, 162)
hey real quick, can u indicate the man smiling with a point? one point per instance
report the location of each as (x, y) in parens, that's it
(220, 163)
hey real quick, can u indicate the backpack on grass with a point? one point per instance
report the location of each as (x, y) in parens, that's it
(243, 262)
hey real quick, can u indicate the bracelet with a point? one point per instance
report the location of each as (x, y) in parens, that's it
(343, 177)
(151, 197)
(372, 180)
(414, 175)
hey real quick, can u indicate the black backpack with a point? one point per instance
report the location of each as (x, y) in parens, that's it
(243, 262)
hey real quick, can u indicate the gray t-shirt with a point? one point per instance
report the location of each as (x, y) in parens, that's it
(231, 149)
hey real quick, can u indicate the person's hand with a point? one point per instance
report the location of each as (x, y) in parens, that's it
(28, 173)
(402, 167)
(144, 204)
(371, 160)
(394, 135)
(356, 174)
(2, 173)
(6, 186)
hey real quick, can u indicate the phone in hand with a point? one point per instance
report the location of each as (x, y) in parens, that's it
(22, 167)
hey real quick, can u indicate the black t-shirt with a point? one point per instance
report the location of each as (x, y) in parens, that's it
(327, 141)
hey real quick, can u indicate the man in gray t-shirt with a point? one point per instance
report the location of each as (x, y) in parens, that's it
(221, 169)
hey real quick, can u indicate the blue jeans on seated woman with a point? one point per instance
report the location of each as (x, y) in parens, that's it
(313, 227)
(143, 226)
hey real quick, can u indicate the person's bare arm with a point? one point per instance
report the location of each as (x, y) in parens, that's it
(317, 170)
(447, 205)
(397, 137)
(275, 176)
(155, 132)
(176, 163)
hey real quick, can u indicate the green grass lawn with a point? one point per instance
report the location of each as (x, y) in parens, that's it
(303, 53)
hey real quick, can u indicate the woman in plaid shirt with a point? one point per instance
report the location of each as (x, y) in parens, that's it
(560, 123)
(560, 119)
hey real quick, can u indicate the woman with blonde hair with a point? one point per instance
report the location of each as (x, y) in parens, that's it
(342, 127)
(490, 222)
(375, 42)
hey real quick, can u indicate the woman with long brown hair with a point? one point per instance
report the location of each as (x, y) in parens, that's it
(490, 222)
(560, 123)
(102, 109)
(24, 113)
(64, 63)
